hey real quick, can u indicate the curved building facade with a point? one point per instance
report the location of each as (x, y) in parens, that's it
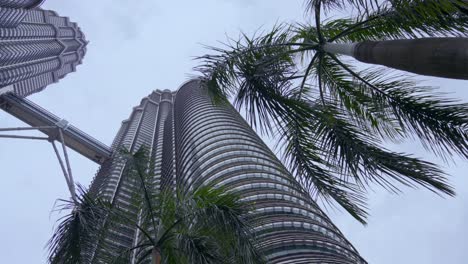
(37, 47)
(193, 143)
(21, 3)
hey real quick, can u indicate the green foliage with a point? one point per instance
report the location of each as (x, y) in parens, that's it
(78, 231)
(332, 120)
(404, 19)
(206, 225)
(362, 6)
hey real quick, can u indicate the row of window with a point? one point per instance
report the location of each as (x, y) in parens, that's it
(219, 126)
(205, 118)
(13, 52)
(231, 157)
(293, 210)
(309, 204)
(299, 225)
(232, 139)
(28, 30)
(216, 142)
(263, 185)
(250, 175)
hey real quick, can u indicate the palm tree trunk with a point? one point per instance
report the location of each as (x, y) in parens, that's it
(340, 48)
(156, 256)
(440, 57)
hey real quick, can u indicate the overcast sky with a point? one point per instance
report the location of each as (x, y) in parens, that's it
(137, 46)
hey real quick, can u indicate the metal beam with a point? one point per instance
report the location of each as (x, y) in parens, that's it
(23, 137)
(25, 128)
(67, 162)
(42, 120)
(71, 187)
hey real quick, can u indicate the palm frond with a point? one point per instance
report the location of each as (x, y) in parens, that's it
(77, 233)
(219, 70)
(258, 72)
(360, 155)
(360, 103)
(317, 175)
(440, 123)
(361, 6)
(261, 87)
(199, 247)
(138, 166)
(404, 19)
(172, 255)
(144, 255)
(224, 214)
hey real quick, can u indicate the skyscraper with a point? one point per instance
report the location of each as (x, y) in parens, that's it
(193, 142)
(37, 47)
(21, 3)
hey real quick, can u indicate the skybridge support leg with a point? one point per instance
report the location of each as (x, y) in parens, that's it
(67, 161)
(64, 170)
(66, 167)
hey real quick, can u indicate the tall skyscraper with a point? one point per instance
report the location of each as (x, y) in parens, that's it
(37, 47)
(21, 3)
(193, 142)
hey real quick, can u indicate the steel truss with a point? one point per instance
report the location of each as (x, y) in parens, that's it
(59, 128)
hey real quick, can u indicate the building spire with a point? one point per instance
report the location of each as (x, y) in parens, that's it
(37, 48)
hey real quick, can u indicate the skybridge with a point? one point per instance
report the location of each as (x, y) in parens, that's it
(54, 128)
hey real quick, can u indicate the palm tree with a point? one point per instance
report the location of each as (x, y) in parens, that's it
(405, 35)
(330, 118)
(75, 236)
(206, 225)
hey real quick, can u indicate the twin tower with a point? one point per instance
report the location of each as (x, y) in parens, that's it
(192, 142)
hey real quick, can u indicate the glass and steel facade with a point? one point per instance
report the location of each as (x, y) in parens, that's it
(21, 3)
(194, 142)
(37, 47)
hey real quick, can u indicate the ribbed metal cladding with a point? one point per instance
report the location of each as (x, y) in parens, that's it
(21, 3)
(193, 142)
(215, 145)
(37, 48)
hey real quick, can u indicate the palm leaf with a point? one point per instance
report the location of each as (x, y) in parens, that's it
(199, 247)
(440, 123)
(140, 168)
(362, 6)
(317, 175)
(258, 73)
(224, 214)
(359, 154)
(360, 103)
(77, 233)
(404, 19)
